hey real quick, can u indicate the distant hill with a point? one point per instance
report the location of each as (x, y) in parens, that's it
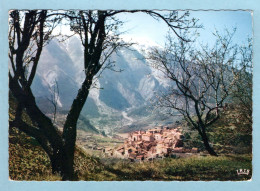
(114, 92)
(85, 125)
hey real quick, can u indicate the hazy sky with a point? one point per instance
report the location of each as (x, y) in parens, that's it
(144, 27)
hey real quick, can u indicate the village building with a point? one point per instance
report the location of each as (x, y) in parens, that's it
(153, 143)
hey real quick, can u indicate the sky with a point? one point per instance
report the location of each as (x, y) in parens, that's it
(142, 27)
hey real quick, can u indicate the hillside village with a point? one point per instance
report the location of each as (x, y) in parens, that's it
(153, 143)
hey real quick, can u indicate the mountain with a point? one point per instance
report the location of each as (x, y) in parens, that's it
(114, 95)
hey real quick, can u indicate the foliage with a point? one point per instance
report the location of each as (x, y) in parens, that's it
(230, 134)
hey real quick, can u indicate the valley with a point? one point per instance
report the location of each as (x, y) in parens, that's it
(118, 102)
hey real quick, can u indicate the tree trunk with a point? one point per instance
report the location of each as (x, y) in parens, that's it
(70, 127)
(60, 164)
(45, 133)
(207, 146)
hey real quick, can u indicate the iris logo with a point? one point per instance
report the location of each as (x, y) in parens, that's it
(243, 171)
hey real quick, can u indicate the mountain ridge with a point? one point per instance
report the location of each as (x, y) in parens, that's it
(61, 65)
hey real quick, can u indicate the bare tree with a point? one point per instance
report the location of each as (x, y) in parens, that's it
(55, 92)
(243, 87)
(201, 80)
(98, 31)
(29, 32)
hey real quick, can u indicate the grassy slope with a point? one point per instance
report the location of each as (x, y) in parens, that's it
(27, 161)
(194, 168)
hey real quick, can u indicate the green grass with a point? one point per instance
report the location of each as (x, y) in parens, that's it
(28, 161)
(194, 168)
